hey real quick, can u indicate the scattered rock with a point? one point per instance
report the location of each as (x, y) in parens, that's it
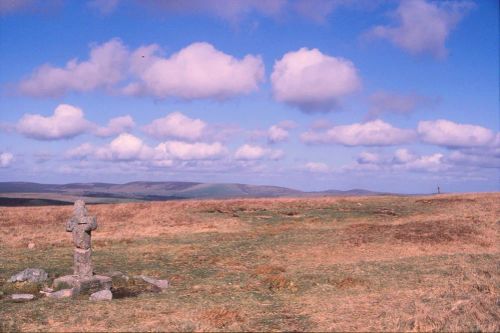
(31, 245)
(115, 274)
(22, 297)
(162, 284)
(30, 274)
(63, 293)
(103, 295)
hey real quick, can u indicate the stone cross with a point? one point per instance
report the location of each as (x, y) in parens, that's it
(81, 225)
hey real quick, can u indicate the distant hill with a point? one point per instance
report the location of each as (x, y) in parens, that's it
(38, 194)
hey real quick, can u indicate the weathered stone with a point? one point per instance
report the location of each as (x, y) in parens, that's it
(30, 274)
(22, 297)
(81, 225)
(103, 295)
(93, 284)
(162, 284)
(115, 274)
(83, 262)
(65, 282)
(83, 285)
(63, 293)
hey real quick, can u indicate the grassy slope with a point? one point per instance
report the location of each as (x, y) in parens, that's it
(374, 263)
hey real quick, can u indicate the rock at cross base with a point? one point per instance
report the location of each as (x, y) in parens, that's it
(22, 297)
(83, 286)
(30, 274)
(81, 225)
(162, 284)
(103, 295)
(63, 293)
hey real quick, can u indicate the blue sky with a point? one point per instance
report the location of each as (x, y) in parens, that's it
(386, 95)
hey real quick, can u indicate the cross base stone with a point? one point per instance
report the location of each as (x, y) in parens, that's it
(86, 285)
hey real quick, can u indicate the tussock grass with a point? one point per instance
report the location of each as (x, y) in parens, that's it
(317, 264)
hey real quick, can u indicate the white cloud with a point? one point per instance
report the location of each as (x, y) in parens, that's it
(6, 159)
(316, 167)
(125, 147)
(66, 122)
(196, 71)
(253, 152)
(404, 156)
(431, 163)
(116, 126)
(450, 134)
(486, 159)
(105, 68)
(312, 80)
(176, 125)
(424, 26)
(402, 160)
(189, 151)
(277, 134)
(82, 151)
(368, 158)
(373, 133)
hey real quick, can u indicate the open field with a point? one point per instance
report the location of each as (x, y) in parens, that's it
(308, 264)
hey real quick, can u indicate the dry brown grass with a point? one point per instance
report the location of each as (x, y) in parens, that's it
(318, 264)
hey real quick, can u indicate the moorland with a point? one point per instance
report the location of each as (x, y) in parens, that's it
(377, 263)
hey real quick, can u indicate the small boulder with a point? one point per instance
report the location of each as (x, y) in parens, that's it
(63, 293)
(22, 297)
(30, 274)
(103, 295)
(162, 284)
(31, 245)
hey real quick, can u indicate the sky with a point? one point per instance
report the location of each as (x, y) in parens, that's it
(397, 96)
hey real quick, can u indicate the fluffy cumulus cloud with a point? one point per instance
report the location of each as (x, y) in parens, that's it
(312, 80)
(190, 151)
(127, 147)
(424, 26)
(366, 157)
(80, 152)
(450, 134)
(197, 71)
(66, 122)
(279, 132)
(6, 159)
(254, 152)
(115, 126)
(316, 167)
(104, 68)
(390, 102)
(401, 160)
(176, 125)
(373, 133)
(483, 158)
